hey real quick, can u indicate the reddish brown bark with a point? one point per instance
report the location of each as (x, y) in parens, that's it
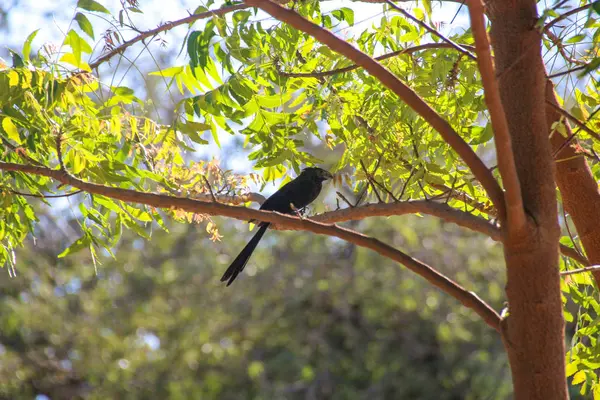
(534, 328)
(578, 188)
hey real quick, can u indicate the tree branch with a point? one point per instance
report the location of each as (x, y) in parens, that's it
(591, 268)
(431, 30)
(574, 119)
(408, 50)
(515, 211)
(439, 210)
(566, 15)
(398, 87)
(467, 298)
(561, 48)
(163, 28)
(45, 196)
(568, 71)
(230, 199)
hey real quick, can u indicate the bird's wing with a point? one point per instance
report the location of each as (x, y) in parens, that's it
(280, 200)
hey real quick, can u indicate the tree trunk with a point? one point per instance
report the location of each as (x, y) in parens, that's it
(534, 329)
(578, 188)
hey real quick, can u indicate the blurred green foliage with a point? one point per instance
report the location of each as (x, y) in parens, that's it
(313, 318)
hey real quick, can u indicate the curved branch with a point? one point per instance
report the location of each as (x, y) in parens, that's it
(429, 29)
(568, 71)
(45, 196)
(232, 199)
(443, 211)
(467, 298)
(163, 28)
(591, 268)
(405, 93)
(515, 210)
(439, 210)
(408, 50)
(574, 119)
(566, 15)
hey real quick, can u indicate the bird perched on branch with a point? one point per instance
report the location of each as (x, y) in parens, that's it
(292, 197)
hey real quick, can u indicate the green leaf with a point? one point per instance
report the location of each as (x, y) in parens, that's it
(419, 14)
(77, 43)
(427, 6)
(69, 58)
(481, 135)
(215, 134)
(84, 24)
(241, 16)
(344, 14)
(81, 243)
(27, 45)
(168, 72)
(16, 59)
(11, 130)
(575, 39)
(592, 66)
(108, 203)
(78, 163)
(91, 5)
(578, 378)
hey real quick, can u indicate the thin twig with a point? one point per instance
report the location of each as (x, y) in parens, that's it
(382, 187)
(591, 268)
(362, 164)
(432, 31)
(559, 4)
(565, 144)
(214, 199)
(341, 196)
(361, 195)
(413, 169)
(409, 50)
(452, 188)
(567, 15)
(568, 71)
(59, 155)
(20, 152)
(163, 28)
(45, 196)
(570, 234)
(561, 48)
(574, 119)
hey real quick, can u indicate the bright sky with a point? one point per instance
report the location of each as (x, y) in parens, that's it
(54, 17)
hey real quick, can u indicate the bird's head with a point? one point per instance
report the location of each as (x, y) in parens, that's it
(316, 173)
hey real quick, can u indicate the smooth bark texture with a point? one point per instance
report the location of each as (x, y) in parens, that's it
(578, 188)
(515, 213)
(534, 329)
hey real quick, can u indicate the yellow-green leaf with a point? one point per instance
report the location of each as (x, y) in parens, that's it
(69, 58)
(578, 378)
(11, 130)
(91, 5)
(27, 45)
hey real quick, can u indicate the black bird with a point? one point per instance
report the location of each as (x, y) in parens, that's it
(292, 197)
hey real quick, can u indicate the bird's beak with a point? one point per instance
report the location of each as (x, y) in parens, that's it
(328, 175)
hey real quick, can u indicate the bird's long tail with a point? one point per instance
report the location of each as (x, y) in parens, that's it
(241, 260)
